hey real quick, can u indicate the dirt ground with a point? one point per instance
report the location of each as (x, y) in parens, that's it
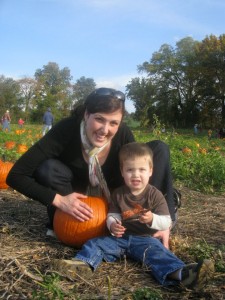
(26, 253)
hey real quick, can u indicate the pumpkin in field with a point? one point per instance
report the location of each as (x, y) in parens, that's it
(202, 151)
(21, 148)
(5, 167)
(186, 150)
(10, 144)
(75, 233)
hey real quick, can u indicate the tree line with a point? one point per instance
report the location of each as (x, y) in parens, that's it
(182, 85)
(51, 87)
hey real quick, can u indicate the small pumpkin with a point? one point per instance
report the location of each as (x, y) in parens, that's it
(72, 232)
(186, 150)
(202, 151)
(5, 167)
(216, 148)
(10, 144)
(21, 148)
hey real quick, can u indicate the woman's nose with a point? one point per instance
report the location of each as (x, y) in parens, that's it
(105, 128)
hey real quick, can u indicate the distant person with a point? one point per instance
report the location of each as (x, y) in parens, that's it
(20, 122)
(196, 129)
(6, 119)
(47, 121)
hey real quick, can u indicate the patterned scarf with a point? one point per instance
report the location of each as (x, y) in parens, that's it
(96, 176)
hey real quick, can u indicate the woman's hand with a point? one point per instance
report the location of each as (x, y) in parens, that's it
(117, 229)
(163, 236)
(73, 205)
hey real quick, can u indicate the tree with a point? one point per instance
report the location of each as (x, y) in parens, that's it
(211, 86)
(171, 74)
(27, 93)
(82, 88)
(9, 91)
(53, 90)
(141, 92)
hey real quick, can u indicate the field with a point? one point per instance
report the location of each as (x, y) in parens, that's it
(26, 251)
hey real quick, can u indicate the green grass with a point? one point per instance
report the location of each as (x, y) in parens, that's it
(198, 171)
(202, 172)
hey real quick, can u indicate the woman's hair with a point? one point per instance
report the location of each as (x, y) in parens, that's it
(103, 100)
(135, 150)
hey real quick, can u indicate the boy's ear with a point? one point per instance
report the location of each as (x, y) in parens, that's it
(151, 171)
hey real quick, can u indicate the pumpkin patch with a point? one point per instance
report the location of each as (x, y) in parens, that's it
(75, 233)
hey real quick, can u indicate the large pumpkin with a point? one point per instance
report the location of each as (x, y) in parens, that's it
(5, 167)
(75, 233)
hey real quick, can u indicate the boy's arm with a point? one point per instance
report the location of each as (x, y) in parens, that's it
(160, 222)
(112, 217)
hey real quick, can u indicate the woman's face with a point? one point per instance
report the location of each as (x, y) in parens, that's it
(101, 127)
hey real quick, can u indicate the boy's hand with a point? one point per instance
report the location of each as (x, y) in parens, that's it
(117, 229)
(146, 217)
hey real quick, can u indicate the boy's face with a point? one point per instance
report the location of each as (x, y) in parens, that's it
(136, 173)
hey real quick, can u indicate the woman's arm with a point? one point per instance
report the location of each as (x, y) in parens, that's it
(21, 177)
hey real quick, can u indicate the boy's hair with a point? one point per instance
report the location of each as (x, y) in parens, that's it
(134, 150)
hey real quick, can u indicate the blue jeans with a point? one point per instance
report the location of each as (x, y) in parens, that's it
(5, 125)
(147, 250)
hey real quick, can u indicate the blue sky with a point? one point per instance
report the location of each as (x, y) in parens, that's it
(101, 39)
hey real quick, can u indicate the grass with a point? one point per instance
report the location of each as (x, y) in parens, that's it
(202, 169)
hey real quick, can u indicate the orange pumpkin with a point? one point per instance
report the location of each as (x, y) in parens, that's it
(217, 148)
(5, 167)
(202, 151)
(10, 144)
(186, 150)
(72, 232)
(21, 148)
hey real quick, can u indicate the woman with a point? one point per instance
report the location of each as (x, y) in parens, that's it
(79, 155)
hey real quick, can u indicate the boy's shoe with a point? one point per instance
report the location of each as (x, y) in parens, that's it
(197, 275)
(72, 268)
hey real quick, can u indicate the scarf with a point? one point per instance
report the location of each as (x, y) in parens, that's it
(96, 177)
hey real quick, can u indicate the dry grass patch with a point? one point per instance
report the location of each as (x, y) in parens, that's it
(26, 255)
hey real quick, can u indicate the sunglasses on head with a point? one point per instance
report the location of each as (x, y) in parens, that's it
(110, 92)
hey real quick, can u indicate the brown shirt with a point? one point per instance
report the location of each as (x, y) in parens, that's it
(129, 206)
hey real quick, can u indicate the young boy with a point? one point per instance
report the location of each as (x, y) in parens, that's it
(137, 210)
